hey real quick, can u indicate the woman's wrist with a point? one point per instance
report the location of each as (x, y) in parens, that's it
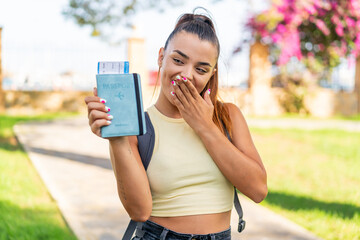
(118, 140)
(206, 129)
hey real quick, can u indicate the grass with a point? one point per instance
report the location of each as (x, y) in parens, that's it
(312, 176)
(298, 116)
(27, 211)
(313, 179)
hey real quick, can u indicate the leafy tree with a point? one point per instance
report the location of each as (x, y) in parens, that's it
(101, 13)
(317, 32)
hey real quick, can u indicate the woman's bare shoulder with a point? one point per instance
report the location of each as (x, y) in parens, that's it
(234, 112)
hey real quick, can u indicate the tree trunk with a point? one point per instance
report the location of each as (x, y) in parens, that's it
(357, 83)
(260, 66)
(2, 95)
(263, 99)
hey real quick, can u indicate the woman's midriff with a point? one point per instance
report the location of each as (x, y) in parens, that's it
(196, 224)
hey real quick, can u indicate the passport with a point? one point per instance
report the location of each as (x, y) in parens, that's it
(123, 96)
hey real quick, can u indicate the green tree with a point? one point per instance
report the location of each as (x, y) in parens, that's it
(98, 14)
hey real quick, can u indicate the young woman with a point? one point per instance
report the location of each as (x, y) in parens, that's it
(187, 190)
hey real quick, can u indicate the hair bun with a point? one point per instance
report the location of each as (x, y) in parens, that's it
(188, 17)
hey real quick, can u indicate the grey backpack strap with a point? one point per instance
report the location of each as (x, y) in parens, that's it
(241, 224)
(130, 230)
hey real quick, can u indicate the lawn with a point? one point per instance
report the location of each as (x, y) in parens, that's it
(313, 179)
(312, 175)
(27, 210)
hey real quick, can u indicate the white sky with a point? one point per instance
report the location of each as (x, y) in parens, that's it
(38, 40)
(39, 43)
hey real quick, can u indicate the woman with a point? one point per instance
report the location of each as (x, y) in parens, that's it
(187, 190)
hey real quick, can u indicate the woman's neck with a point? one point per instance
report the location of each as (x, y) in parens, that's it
(167, 108)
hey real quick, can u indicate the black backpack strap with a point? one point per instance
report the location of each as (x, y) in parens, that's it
(241, 224)
(146, 142)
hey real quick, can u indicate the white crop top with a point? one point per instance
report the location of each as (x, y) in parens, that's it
(184, 180)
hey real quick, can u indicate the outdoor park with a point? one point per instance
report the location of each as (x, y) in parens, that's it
(301, 100)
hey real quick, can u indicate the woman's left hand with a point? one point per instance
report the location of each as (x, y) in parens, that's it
(196, 111)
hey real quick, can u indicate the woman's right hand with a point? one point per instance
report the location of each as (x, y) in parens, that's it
(97, 113)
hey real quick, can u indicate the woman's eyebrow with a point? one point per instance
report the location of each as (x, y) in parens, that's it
(182, 54)
(187, 57)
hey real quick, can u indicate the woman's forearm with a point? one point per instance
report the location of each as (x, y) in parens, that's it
(245, 173)
(132, 183)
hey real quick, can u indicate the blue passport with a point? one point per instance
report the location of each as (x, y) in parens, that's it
(123, 96)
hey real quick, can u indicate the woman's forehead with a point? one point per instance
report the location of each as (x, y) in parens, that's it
(193, 47)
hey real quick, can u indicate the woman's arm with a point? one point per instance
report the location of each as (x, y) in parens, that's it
(239, 161)
(132, 182)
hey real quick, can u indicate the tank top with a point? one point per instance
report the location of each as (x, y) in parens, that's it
(184, 180)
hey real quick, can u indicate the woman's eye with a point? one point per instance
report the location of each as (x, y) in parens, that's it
(201, 70)
(177, 60)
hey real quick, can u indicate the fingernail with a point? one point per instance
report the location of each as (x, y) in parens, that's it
(102, 100)
(107, 109)
(208, 91)
(178, 77)
(184, 79)
(172, 93)
(173, 83)
(110, 116)
(109, 122)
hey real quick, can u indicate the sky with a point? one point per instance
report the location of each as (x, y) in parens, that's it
(38, 42)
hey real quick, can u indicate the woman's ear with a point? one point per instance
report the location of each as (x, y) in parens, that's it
(161, 57)
(214, 71)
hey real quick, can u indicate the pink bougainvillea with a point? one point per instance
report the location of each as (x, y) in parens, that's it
(325, 30)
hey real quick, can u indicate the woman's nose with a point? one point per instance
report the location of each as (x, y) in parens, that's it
(187, 72)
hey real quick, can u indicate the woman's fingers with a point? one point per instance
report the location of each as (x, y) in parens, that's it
(191, 89)
(181, 96)
(97, 124)
(98, 113)
(177, 102)
(89, 99)
(97, 106)
(95, 115)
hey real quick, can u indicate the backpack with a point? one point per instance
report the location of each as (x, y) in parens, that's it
(146, 144)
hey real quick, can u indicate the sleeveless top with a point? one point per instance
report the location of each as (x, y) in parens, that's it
(184, 180)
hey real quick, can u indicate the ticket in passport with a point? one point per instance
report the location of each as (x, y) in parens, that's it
(121, 67)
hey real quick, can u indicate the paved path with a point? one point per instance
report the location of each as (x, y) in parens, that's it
(75, 166)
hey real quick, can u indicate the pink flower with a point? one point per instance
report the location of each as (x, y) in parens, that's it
(356, 50)
(339, 30)
(321, 25)
(335, 19)
(310, 54)
(343, 48)
(310, 9)
(290, 46)
(350, 22)
(281, 28)
(276, 37)
(354, 6)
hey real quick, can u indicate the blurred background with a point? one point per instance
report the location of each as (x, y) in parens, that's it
(291, 66)
(54, 47)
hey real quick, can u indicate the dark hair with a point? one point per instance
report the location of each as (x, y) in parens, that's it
(197, 24)
(203, 27)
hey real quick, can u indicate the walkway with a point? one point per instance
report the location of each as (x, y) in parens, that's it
(75, 166)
